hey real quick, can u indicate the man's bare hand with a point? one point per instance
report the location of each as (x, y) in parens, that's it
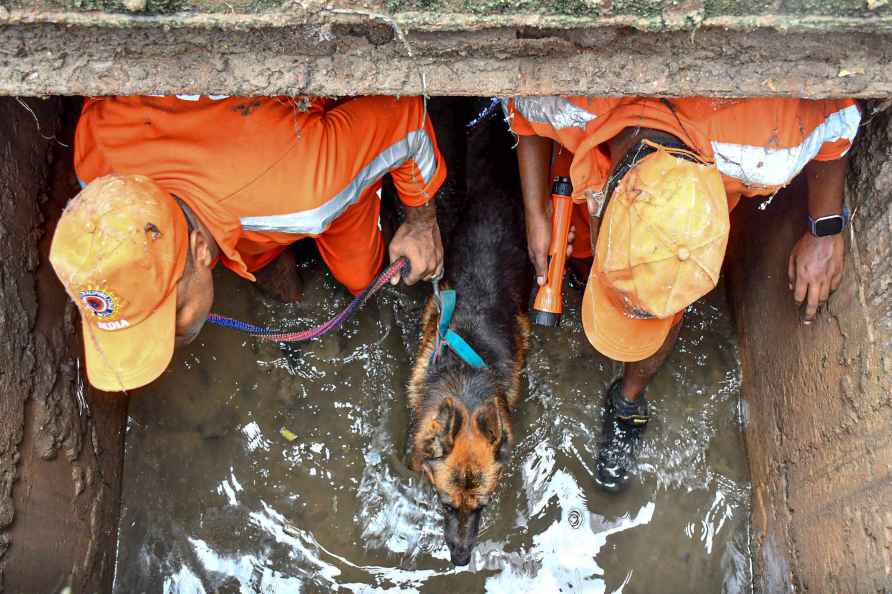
(539, 243)
(418, 239)
(815, 270)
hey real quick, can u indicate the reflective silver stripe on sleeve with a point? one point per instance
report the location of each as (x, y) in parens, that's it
(416, 145)
(552, 110)
(422, 152)
(763, 166)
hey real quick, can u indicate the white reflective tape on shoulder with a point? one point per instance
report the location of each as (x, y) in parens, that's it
(761, 166)
(552, 110)
(416, 145)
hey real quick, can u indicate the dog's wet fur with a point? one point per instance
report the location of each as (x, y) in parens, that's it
(460, 432)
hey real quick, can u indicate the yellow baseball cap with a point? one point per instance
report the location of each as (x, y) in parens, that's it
(119, 249)
(660, 248)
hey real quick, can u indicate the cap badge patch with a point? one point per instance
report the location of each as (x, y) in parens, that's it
(103, 304)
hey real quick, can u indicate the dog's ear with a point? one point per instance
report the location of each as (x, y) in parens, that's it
(493, 426)
(443, 429)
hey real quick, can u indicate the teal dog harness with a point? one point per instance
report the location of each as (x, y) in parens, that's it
(447, 337)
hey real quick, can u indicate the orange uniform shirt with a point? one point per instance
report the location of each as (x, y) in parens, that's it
(264, 172)
(759, 145)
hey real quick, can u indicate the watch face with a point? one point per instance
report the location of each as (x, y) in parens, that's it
(828, 225)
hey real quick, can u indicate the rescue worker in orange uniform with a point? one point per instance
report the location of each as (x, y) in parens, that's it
(659, 178)
(172, 185)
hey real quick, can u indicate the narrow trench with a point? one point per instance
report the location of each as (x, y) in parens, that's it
(215, 498)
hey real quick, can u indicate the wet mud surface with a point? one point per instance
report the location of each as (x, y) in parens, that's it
(216, 499)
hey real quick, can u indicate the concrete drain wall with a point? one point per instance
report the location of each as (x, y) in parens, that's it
(60, 447)
(818, 398)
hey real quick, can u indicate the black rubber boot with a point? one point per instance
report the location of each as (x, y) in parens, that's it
(624, 423)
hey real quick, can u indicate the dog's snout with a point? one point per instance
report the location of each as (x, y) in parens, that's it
(461, 556)
(461, 534)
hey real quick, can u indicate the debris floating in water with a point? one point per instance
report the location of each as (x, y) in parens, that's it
(287, 434)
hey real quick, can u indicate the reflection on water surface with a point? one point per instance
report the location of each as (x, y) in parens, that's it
(217, 500)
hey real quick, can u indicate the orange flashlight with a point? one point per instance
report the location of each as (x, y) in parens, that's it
(549, 303)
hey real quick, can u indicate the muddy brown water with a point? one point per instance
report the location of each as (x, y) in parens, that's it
(215, 499)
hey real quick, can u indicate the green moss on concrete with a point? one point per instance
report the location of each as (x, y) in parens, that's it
(152, 6)
(394, 6)
(644, 8)
(655, 9)
(737, 8)
(259, 6)
(719, 8)
(834, 8)
(562, 7)
(688, 12)
(108, 6)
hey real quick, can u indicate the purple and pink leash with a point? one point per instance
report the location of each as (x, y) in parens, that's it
(400, 266)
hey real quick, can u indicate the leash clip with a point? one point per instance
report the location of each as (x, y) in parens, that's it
(435, 282)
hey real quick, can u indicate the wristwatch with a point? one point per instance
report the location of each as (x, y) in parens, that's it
(829, 225)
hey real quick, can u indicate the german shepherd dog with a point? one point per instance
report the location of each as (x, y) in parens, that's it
(460, 417)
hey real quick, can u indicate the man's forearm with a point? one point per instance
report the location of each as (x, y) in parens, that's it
(826, 186)
(534, 159)
(426, 214)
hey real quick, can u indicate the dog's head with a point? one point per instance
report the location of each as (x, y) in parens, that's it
(463, 450)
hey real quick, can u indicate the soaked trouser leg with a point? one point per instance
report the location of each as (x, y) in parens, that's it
(637, 375)
(352, 246)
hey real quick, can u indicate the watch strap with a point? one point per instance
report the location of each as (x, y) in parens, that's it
(813, 223)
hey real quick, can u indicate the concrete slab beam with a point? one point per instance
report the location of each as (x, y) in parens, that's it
(336, 49)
